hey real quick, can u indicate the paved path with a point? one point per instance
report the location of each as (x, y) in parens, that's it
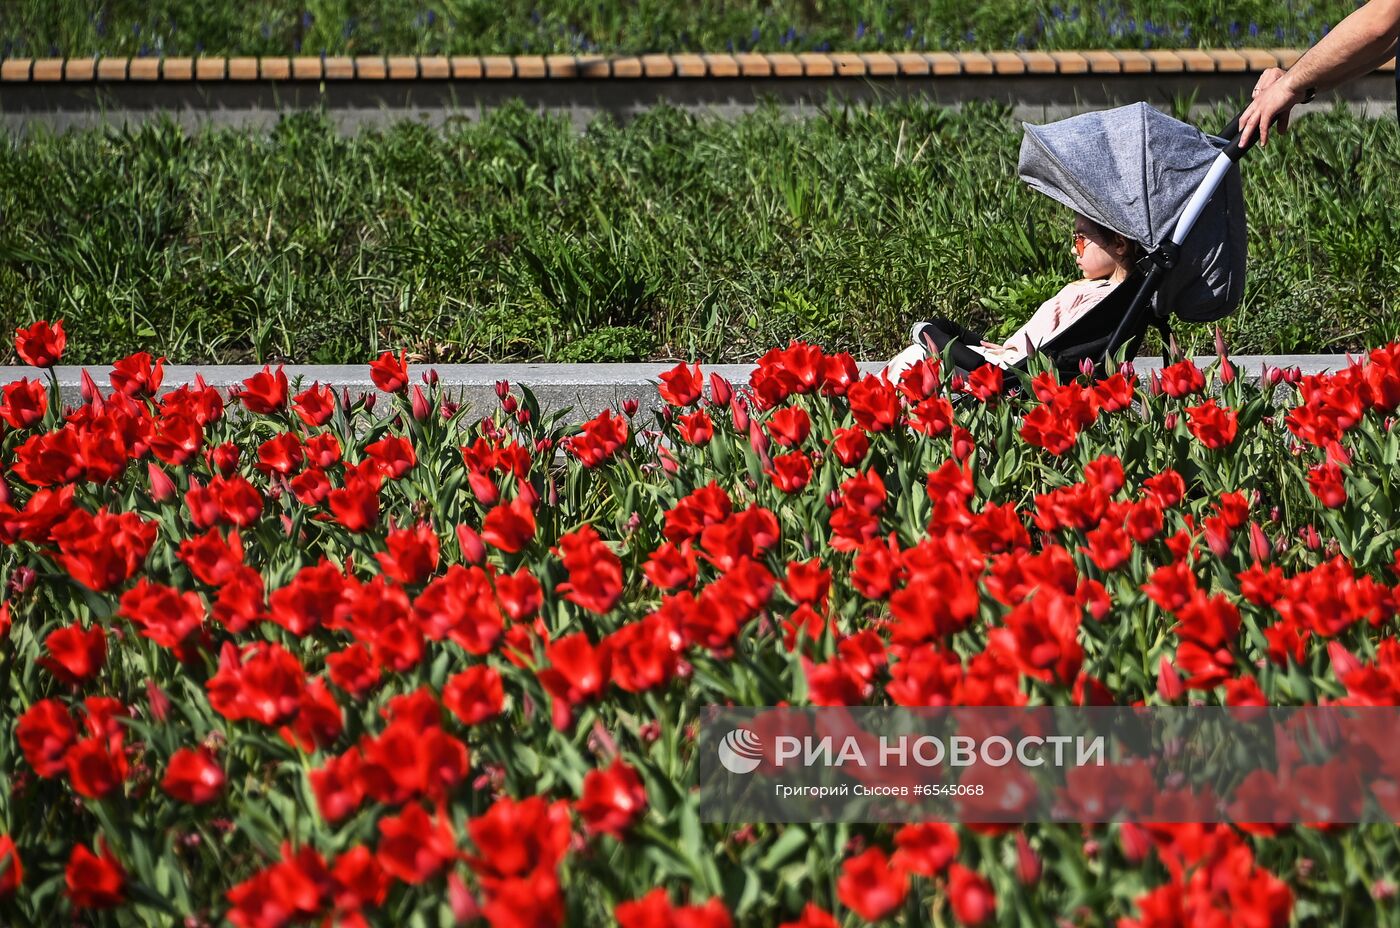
(586, 388)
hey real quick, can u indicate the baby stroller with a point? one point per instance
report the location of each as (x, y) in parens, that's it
(1164, 184)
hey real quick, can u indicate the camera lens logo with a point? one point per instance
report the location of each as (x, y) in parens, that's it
(740, 751)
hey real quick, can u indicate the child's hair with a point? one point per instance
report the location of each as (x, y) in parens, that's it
(1135, 251)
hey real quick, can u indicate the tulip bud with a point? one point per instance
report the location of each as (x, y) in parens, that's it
(1154, 383)
(649, 732)
(758, 439)
(464, 906)
(1086, 367)
(1219, 344)
(509, 404)
(473, 550)
(721, 391)
(432, 377)
(526, 491)
(833, 499)
(345, 398)
(1343, 661)
(1337, 454)
(963, 444)
(1027, 861)
(22, 579)
(1091, 849)
(668, 463)
(1135, 842)
(630, 406)
(1127, 370)
(449, 409)
(553, 495)
(1227, 371)
(157, 700)
(956, 383)
(739, 411)
(1169, 421)
(502, 388)
(1259, 548)
(1311, 538)
(370, 400)
(522, 415)
(162, 487)
(419, 404)
(1169, 685)
(483, 488)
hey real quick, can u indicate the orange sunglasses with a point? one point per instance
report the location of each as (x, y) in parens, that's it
(1080, 239)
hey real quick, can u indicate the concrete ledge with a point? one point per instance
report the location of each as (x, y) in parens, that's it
(586, 389)
(685, 64)
(253, 93)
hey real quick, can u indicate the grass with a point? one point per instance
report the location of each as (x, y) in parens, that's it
(520, 239)
(334, 27)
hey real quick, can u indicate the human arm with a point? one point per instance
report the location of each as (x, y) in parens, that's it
(1360, 43)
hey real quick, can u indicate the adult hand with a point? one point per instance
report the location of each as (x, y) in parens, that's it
(1274, 99)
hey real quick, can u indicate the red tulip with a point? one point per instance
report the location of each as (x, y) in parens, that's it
(681, 386)
(870, 886)
(474, 695)
(974, 902)
(265, 392)
(23, 403)
(193, 776)
(138, 375)
(414, 848)
(95, 882)
(75, 653)
(613, 799)
(41, 344)
(390, 374)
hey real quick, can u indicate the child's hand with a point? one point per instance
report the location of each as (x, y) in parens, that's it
(993, 345)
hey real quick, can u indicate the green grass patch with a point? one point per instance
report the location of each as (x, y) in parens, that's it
(338, 27)
(520, 239)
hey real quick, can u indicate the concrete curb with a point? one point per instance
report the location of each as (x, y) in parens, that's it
(586, 389)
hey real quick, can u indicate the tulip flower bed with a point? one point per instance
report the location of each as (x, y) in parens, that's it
(296, 657)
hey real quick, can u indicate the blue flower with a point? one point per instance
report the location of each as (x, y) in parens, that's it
(754, 36)
(860, 29)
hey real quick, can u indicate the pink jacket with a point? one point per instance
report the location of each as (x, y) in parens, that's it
(1054, 315)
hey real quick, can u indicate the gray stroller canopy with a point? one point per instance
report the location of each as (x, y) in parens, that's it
(1132, 169)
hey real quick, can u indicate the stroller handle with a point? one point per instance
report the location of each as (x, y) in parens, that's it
(1231, 134)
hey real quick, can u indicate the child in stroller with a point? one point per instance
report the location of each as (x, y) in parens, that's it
(1105, 257)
